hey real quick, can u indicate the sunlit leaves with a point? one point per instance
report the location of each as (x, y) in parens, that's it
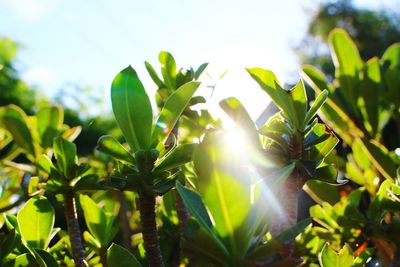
(132, 109)
(172, 110)
(35, 222)
(330, 258)
(109, 145)
(101, 225)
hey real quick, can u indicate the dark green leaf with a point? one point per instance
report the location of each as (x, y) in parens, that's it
(118, 256)
(49, 123)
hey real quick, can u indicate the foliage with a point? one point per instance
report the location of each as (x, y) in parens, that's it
(123, 204)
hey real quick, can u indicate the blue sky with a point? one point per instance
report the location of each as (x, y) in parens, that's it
(88, 42)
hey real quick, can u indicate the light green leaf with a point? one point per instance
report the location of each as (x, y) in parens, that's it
(329, 258)
(25, 260)
(118, 256)
(178, 156)
(379, 156)
(49, 123)
(172, 110)
(319, 101)
(348, 62)
(109, 145)
(132, 109)
(16, 122)
(153, 74)
(222, 178)
(65, 153)
(101, 225)
(35, 222)
(168, 69)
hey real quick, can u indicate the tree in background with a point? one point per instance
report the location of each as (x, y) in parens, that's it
(13, 90)
(372, 30)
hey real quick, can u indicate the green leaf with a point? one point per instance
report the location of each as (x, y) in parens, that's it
(153, 74)
(172, 110)
(348, 62)
(239, 115)
(371, 94)
(132, 109)
(49, 123)
(319, 101)
(109, 145)
(118, 256)
(329, 258)
(200, 70)
(222, 178)
(45, 164)
(35, 222)
(16, 122)
(168, 69)
(321, 191)
(195, 205)
(8, 244)
(65, 153)
(327, 173)
(88, 182)
(25, 260)
(178, 156)
(379, 156)
(47, 258)
(101, 225)
(290, 234)
(299, 100)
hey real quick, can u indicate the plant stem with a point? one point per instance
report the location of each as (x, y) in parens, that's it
(74, 231)
(150, 238)
(103, 257)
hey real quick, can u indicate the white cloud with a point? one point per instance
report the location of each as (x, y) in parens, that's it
(30, 10)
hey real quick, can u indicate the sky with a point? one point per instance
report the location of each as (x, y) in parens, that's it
(88, 42)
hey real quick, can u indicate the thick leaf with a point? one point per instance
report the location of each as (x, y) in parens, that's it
(132, 109)
(321, 191)
(16, 122)
(299, 100)
(65, 153)
(195, 206)
(329, 258)
(47, 258)
(200, 70)
(49, 123)
(172, 110)
(118, 256)
(88, 182)
(25, 260)
(371, 93)
(319, 101)
(178, 156)
(168, 69)
(109, 145)
(101, 225)
(327, 173)
(379, 156)
(348, 62)
(153, 74)
(290, 234)
(239, 115)
(35, 222)
(222, 179)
